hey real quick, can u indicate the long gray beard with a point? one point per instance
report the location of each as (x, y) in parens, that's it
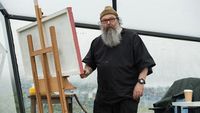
(111, 37)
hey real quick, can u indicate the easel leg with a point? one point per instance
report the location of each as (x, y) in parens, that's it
(63, 101)
(34, 71)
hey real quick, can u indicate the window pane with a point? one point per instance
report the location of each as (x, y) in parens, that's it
(167, 16)
(7, 95)
(86, 11)
(175, 59)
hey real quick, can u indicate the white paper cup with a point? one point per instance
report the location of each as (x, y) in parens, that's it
(188, 95)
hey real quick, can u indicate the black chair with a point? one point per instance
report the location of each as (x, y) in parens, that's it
(175, 92)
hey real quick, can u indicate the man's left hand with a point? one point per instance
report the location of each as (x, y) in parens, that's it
(138, 91)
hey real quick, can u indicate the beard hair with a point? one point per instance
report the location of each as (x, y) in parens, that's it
(111, 36)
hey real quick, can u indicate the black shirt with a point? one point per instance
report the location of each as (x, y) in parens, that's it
(118, 67)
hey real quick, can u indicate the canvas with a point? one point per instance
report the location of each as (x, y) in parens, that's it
(68, 47)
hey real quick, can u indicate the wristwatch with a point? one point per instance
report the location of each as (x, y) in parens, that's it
(141, 81)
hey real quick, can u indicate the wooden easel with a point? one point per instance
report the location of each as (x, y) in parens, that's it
(49, 84)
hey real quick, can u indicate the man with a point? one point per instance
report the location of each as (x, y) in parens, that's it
(122, 63)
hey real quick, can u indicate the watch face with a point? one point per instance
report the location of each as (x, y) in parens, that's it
(141, 81)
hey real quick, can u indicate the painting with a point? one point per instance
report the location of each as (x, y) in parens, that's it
(67, 41)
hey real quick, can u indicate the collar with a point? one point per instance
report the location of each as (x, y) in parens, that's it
(122, 30)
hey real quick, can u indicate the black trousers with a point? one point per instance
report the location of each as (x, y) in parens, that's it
(125, 106)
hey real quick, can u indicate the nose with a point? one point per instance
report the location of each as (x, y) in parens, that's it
(108, 22)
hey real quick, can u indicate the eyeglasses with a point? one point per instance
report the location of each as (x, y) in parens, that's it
(105, 21)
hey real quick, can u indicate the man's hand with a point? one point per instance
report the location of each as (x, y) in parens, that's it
(139, 88)
(87, 70)
(138, 91)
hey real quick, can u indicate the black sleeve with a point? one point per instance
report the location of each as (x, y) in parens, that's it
(89, 58)
(142, 57)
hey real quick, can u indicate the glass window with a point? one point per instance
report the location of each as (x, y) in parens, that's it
(167, 16)
(175, 59)
(7, 96)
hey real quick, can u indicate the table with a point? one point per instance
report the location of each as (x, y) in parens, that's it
(180, 106)
(55, 100)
